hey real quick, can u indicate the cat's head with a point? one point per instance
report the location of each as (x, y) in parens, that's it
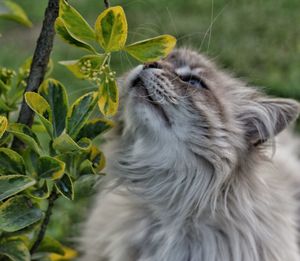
(185, 102)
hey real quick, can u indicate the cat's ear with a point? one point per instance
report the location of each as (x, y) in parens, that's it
(267, 117)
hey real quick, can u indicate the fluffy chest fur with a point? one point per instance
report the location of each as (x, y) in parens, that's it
(123, 227)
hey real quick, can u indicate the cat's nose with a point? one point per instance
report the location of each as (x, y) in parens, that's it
(153, 65)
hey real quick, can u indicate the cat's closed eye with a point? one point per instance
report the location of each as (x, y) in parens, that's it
(193, 81)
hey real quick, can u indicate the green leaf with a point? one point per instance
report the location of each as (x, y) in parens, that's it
(42, 108)
(55, 94)
(6, 139)
(65, 187)
(86, 168)
(17, 213)
(11, 162)
(88, 67)
(3, 125)
(108, 97)
(3, 87)
(50, 168)
(15, 250)
(85, 186)
(42, 192)
(95, 127)
(68, 37)
(153, 49)
(79, 113)
(30, 158)
(111, 29)
(75, 23)
(26, 135)
(64, 143)
(13, 184)
(4, 107)
(16, 14)
(50, 245)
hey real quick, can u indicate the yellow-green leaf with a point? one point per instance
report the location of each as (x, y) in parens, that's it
(64, 143)
(95, 127)
(75, 23)
(50, 245)
(66, 35)
(88, 67)
(111, 29)
(153, 49)
(42, 108)
(3, 125)
(16, 13)
(108, 97)
(86, 168)
(55, 94)
(41, 192)
(17, 213)
(97, 158)
(25, 134)
(79, 113)
(13, 184)
(50, 168)
(11, 162)
(15, 250)
(70, 254)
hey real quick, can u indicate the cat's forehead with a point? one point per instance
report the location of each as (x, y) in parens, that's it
(185, 59)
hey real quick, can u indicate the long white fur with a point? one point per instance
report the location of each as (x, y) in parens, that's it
(183, 193)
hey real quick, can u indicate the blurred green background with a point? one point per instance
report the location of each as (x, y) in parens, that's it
(259, 40)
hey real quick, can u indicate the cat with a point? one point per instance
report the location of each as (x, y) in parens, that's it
(190, 177)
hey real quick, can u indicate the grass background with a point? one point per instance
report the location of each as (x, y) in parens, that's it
(259, 40)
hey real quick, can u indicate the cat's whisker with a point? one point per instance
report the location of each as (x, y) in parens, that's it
(211, 25)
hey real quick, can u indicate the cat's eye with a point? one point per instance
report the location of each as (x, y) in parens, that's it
(194, 81)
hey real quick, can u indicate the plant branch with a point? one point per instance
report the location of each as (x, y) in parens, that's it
(107, 4)
(40, 61)
(45, 223)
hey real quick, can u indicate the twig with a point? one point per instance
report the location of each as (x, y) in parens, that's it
(45, 223)
(39, 62)
(107, 4)
(37, 73)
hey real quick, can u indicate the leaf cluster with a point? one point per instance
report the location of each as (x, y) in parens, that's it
(28, 177)
(60, 151)
(109, 35)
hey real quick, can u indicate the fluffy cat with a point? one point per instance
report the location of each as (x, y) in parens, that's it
(189, 175)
